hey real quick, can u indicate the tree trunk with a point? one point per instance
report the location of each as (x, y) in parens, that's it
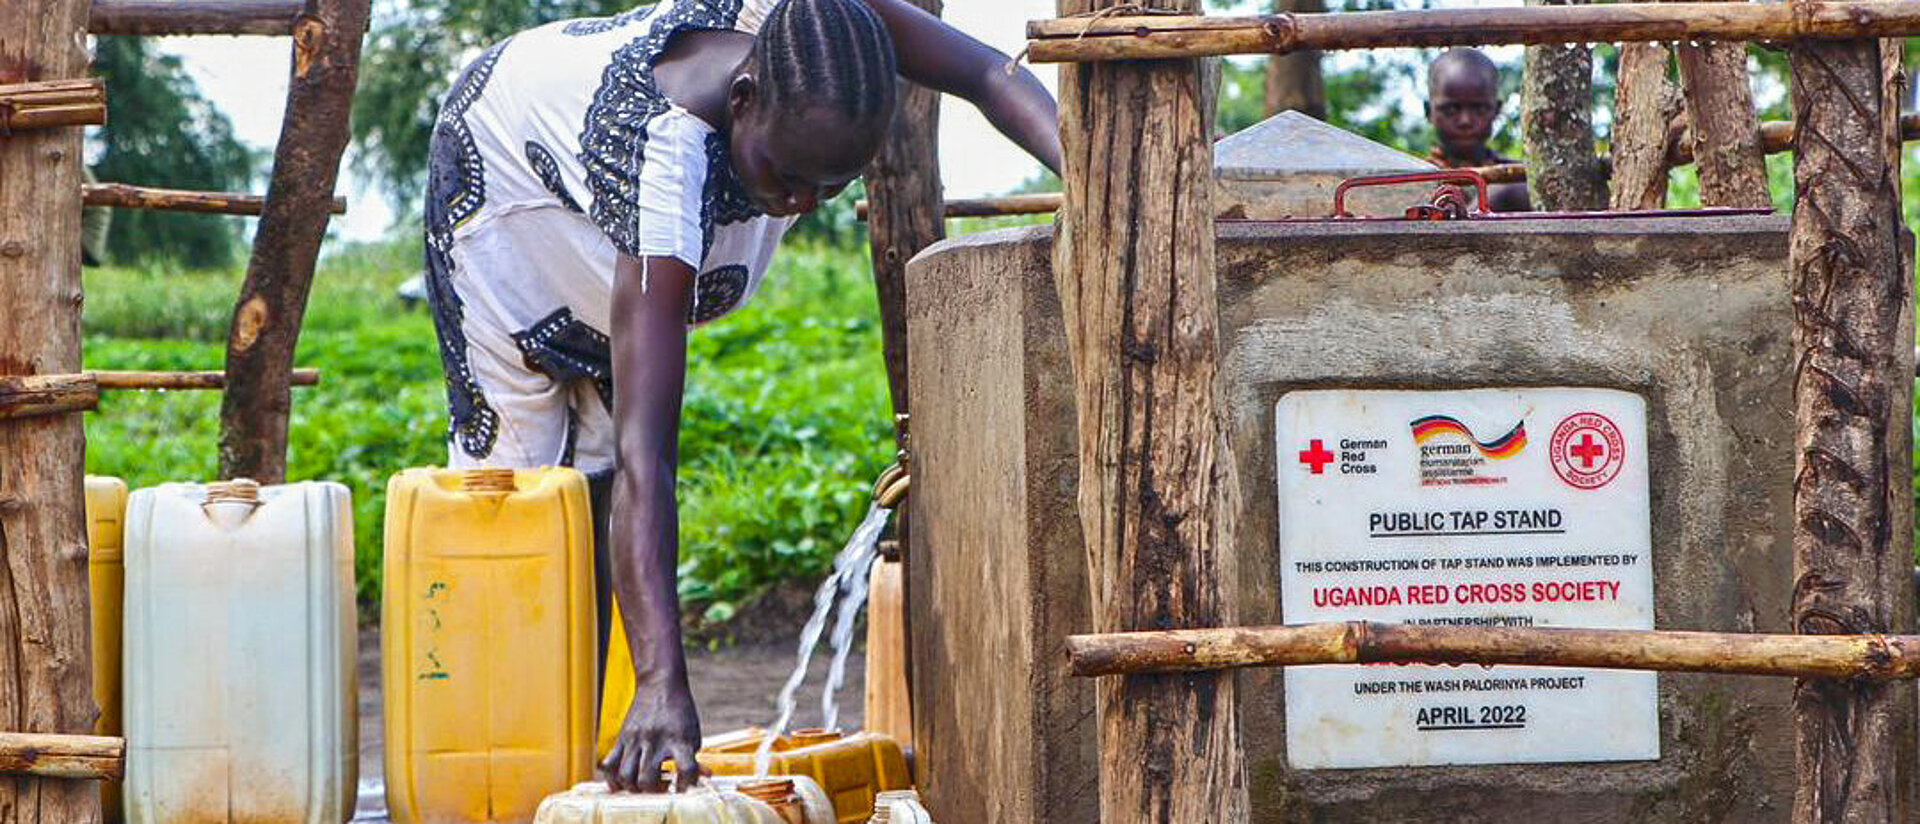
(1852, 498)
(1134, 265)
(1294, 82)
(46, 681)
(904, 216)
(266, 319)
(1645, 105)
(1726, 131)
(1556, 127)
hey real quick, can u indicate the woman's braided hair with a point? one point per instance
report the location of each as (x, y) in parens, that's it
(833, 53)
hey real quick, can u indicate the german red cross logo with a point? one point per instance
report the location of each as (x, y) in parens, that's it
(1316, 457)
(1587, 450)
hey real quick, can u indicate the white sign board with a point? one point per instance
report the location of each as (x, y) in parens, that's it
(1483, 507)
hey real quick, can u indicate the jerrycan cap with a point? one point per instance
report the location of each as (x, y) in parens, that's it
(238, 490)
(487, 480)
(778, 793)
(229, 503)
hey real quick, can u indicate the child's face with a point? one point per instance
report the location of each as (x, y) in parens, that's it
(1462, 106)
(790, 163)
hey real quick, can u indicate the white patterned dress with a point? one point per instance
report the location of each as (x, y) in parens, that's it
(554, 154)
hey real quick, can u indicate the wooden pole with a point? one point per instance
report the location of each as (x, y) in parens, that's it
(904, 185)
(1645, 105)
(186, 380)
(46, 677)
(52, 104)
(171, 17)
(1556, 127)
(1877, 657)
(1852, 494)
(63, 756)
(1294, 80)
(273, 298)
(1136, 37)
(1724, 139)
(1134, 266)
(123, 196)
(27, 396)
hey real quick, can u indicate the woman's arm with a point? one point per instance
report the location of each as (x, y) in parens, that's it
(649, 373)
(940, 57)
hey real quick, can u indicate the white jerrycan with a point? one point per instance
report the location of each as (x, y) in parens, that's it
(239, 654)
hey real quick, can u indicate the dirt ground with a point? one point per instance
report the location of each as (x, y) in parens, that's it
(735, 687)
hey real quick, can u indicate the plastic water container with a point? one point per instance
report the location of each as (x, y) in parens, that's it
(487, 641)
(775, 800)
(616, 692)
(239, 659)
(106, 533)
(852, 769)
(899, 807)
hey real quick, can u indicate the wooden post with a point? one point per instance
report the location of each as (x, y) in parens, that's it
(1294, 80)
(46, 681)
(1134, 265)
(903, 191)
(1852, 499)
(266, 319)
(1556, 124)
(1645, 105)
(1725, 131)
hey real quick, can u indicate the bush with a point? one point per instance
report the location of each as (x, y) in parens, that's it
(786, 417)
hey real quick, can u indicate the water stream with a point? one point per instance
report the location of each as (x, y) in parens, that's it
(848, 580)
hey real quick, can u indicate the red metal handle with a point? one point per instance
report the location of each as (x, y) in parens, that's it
(1442, 176)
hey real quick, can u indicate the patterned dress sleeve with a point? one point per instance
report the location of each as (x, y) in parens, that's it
(666, 214)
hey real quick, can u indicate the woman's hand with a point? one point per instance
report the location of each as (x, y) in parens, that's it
(661, 723)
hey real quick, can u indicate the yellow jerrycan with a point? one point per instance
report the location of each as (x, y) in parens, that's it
(774, 800)
(488, 642)
(616, 692)
(851, 768)
(239, 654)
(106, 532)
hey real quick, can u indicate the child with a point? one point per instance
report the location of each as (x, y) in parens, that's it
(1463, 88)
(599, 186)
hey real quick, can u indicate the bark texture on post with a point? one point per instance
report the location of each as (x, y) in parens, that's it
(46, 683)
(273, 299)
(1726, 131)
(1556, 127)
(1134, 265)
(1853, 387)
(1645, 105)
(1294, 80)
(903, 216)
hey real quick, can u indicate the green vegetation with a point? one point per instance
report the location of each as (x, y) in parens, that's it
(786, 419)
(164, 133)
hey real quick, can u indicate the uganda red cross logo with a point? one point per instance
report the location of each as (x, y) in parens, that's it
(1316, 457)
(1587, 450)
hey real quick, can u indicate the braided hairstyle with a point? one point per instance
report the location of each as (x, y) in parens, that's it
(831, 53)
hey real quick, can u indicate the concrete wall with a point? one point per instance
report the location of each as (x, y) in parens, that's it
(1693, 313)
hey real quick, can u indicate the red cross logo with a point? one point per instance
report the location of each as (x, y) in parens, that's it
(1316, 457)
(1587, 450)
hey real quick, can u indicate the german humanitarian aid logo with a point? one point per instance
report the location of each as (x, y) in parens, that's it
(1587, 450)
(1450, 455)
(1501, 448)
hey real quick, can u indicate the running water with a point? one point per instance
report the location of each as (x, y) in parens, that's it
(849, 578)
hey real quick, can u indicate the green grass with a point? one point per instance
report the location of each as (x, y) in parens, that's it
(786, 418)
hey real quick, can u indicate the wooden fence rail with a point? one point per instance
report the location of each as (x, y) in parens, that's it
(1368, 642)
(124, 196)
(1152, 37)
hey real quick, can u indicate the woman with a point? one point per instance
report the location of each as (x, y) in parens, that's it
(599, 186)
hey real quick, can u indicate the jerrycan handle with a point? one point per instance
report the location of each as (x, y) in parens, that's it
(1458, 177)
(488, 480)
